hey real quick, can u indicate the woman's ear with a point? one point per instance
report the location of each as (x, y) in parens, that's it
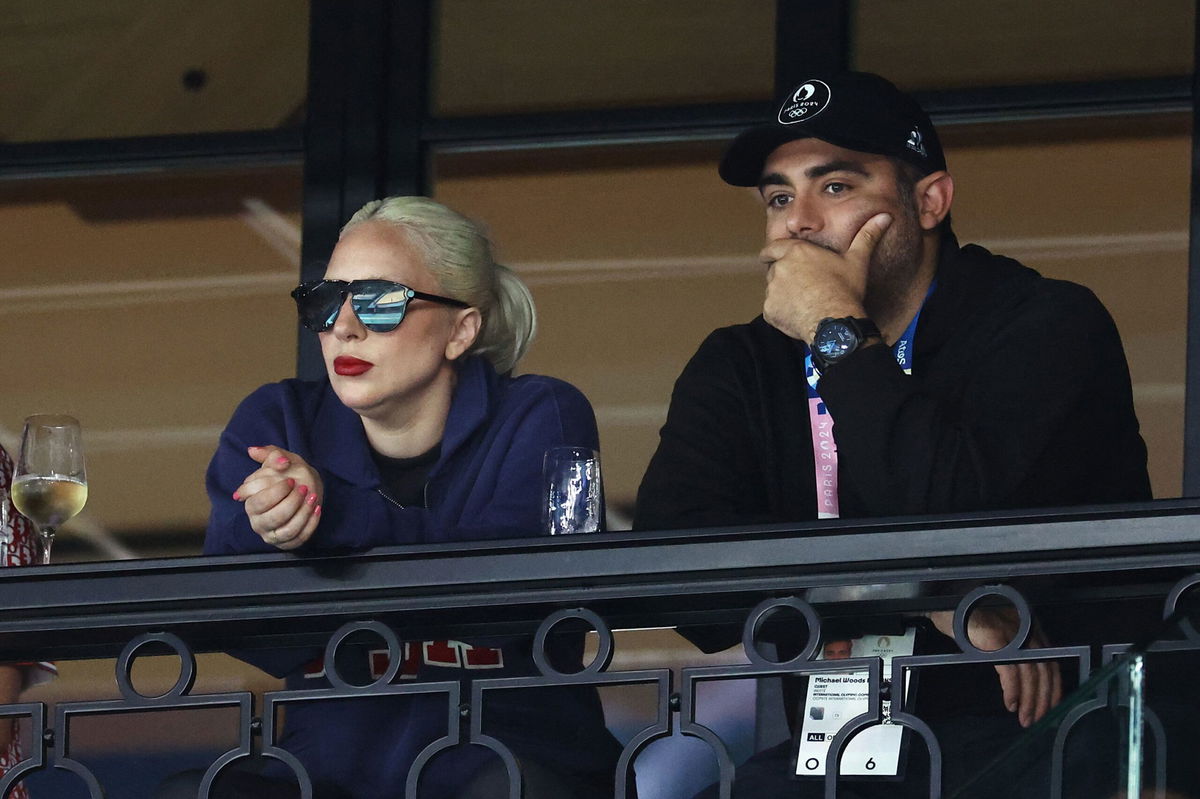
(467, 323)
(934, 195)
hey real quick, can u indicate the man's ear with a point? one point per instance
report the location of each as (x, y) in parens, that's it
(467, 323)
(934, 194)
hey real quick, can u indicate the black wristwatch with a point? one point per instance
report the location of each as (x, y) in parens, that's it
(837, 338)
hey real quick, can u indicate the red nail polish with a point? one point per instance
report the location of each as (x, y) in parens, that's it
(311, 499)
(282, 461)
(291, 483)
(317, 511)
(237, 496)
(303, 490)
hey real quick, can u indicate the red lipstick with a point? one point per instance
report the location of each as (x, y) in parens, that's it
(350, 367)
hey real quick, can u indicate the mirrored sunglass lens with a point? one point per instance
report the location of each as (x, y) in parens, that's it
(319, 306)
(380, 308)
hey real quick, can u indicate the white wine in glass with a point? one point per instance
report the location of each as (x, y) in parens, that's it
(50, 483)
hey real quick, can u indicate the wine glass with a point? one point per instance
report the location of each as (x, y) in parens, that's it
(574, 495)
(50, 485)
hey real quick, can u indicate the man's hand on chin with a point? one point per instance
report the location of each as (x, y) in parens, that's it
(807, 282)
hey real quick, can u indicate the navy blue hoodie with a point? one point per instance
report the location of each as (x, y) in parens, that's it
(486, 484)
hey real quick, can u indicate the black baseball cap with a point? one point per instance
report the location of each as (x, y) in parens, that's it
(855, 110)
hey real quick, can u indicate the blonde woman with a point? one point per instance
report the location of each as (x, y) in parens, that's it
(418, 435)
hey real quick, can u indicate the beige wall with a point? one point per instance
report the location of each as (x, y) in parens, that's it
(147, 307)
(1110, 212)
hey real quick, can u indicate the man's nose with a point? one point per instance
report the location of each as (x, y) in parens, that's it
(802, 217)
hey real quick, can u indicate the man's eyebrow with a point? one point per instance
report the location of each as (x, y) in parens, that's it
(773, 179)
(842, 165)
(814, 172)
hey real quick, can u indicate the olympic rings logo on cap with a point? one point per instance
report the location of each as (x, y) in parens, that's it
(810, 98)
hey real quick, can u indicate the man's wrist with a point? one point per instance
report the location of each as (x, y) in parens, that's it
(836, 339)
(843, 312)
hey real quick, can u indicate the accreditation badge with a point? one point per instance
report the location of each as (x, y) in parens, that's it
(835, 697)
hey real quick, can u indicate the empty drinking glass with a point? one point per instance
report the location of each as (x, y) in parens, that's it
(574, 495)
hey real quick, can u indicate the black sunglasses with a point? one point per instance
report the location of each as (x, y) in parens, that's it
(378, 304)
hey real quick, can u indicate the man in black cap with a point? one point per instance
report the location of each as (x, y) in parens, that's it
(958, 380)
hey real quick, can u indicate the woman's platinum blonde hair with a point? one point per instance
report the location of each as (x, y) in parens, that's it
(459, 255)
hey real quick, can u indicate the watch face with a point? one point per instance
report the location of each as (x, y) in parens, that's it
(834, 340)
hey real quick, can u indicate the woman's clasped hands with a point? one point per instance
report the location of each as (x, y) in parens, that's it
(282, 497)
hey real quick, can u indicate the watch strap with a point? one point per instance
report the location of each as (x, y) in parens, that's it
(863, 330)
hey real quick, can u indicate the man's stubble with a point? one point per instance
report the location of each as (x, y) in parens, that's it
(896, 261)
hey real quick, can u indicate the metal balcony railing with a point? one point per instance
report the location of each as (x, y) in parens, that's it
(822, 573)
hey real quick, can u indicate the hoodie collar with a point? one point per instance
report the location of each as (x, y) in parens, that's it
(340, 442)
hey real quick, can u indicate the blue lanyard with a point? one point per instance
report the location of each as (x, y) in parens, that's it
(825, 458)
(902, 349)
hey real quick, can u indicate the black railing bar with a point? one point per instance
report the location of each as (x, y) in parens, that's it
(593, 561)
(100, 640)
(557, 590)
(653, 604)
(400, 592)
(1139, 517)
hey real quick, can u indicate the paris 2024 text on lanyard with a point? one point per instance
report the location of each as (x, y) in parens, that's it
(824, 447)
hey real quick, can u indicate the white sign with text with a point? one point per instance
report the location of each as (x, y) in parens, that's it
(834, 698)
